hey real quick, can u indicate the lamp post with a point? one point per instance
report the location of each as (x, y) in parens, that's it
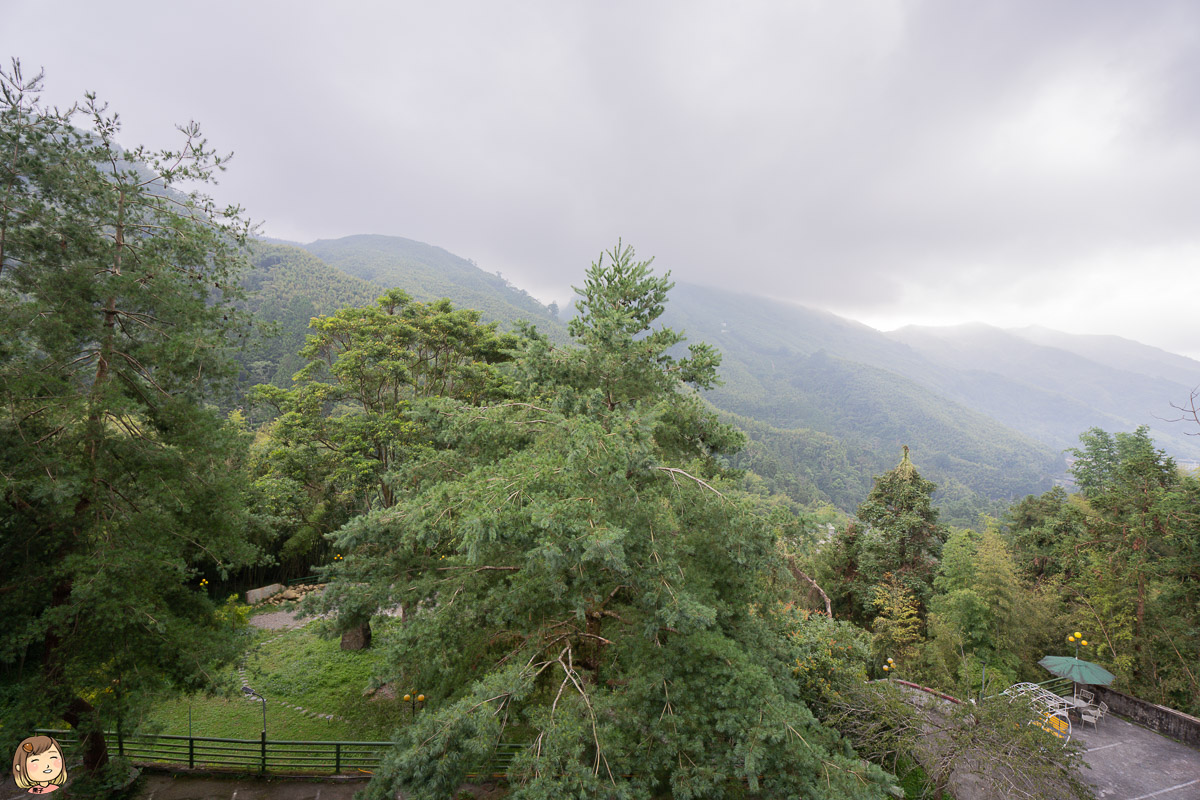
(1077, 639)
(413, 701)
(263, 736)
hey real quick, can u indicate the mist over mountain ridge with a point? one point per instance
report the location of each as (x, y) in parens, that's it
(1046, 384)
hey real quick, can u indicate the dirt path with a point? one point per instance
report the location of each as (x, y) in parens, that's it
(279, 621)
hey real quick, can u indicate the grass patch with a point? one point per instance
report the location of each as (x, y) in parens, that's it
(236, 718)
(313, 672)
(292, 668)
(912, 781)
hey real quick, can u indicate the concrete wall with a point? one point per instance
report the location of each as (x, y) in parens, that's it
(256, 596)
(1160, 719)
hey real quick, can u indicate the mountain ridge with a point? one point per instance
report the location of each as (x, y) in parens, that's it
(991, 421)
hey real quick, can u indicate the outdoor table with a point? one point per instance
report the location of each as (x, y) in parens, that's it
(1076, 703)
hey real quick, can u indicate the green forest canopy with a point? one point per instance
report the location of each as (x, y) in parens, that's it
(586, 560)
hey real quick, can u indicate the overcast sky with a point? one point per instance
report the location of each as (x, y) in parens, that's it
(895, 162)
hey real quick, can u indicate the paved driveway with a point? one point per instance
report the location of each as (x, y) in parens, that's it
(1129, 762)
(170, 787)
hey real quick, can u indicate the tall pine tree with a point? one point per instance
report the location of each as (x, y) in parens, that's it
(897, 539)
(589, 583)
(118, 485)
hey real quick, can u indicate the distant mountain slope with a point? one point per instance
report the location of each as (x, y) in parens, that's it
(430, 273)
(796, 368)
(807, 465)
(289, 287)
(1054, 392)
(826, 402)
(283, 272)
(1118, 353)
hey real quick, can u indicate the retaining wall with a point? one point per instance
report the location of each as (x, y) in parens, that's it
(256, 596)
(1160, 719)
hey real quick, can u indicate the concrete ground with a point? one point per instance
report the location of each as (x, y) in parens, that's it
(158, 786)
(1129, 762)
(175, 787)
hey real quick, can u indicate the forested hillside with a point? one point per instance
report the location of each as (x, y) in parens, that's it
(806, 465)
(795, 368)
(987, 413)
(430, 273)
(777, 371)
(290, 284)
(286, 288)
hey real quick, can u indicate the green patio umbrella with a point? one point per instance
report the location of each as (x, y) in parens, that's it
(1077, 670)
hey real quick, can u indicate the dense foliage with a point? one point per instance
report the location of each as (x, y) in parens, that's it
(896, 540)
(1125, 553)
(353, 418)
(582, 576)
(119, 486)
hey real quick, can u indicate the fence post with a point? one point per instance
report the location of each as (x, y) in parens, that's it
(191, 752)
(263, 768)
(337, 758)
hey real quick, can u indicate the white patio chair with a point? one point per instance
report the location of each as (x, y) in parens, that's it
(1089, 714)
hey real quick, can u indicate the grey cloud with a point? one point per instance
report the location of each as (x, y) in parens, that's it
(923, 158)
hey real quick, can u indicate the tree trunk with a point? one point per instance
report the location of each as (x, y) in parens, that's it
(95, 750)
(799, 575)
(357, 638)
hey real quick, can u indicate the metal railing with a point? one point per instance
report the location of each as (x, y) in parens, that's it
(268, 755)
(252, 755)
(1059, 686)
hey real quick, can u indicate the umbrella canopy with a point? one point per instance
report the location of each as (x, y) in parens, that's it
(1077, 670)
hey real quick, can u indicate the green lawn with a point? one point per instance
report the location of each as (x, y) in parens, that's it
(292, 668)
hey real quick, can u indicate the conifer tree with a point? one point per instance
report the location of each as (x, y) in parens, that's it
(355, 416)
(591, 584)
(897, 534)
(118, 485)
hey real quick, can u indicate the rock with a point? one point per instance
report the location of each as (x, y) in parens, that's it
(290, 594)
(256, 596)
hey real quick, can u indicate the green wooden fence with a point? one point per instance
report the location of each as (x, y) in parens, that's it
(265, 755)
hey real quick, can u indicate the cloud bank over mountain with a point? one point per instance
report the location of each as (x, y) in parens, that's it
(907, 162)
